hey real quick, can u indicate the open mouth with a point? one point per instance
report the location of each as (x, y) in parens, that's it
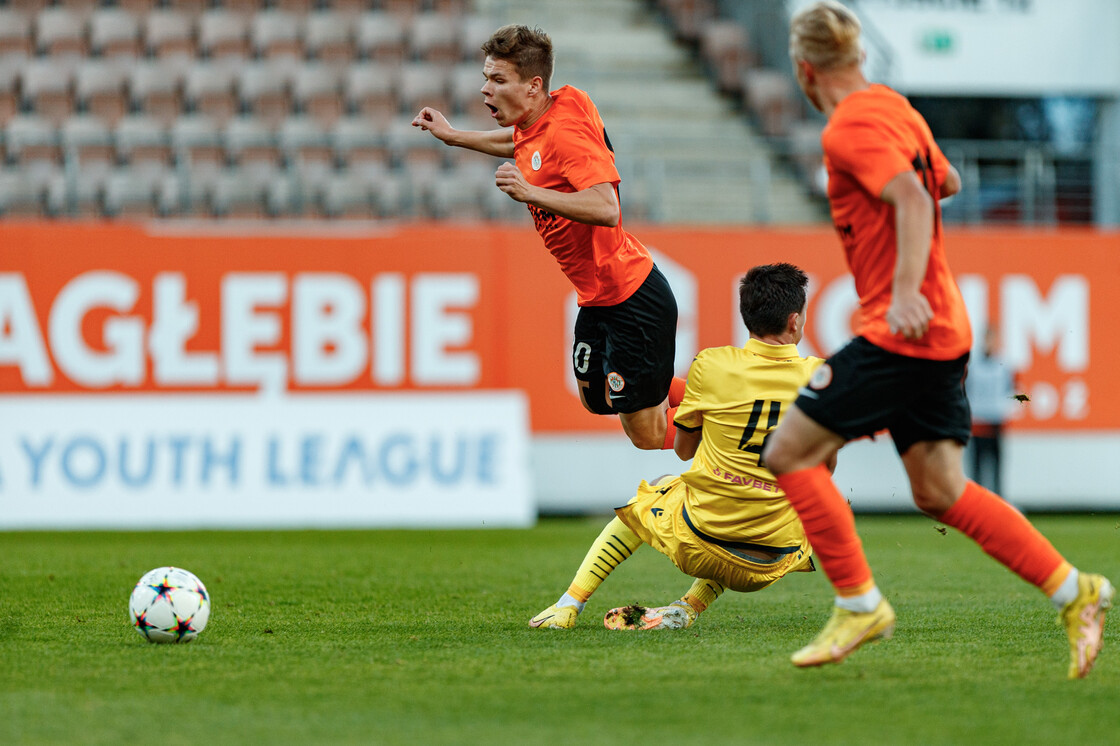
(493, 109)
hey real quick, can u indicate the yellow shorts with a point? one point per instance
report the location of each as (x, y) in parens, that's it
(658, 520)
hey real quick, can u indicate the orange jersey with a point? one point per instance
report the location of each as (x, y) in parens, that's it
(872, 136)
(567, 150)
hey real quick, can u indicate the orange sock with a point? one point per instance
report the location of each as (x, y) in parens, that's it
(670, 429)
(831, 528)
(1008, 537)
(676, 391)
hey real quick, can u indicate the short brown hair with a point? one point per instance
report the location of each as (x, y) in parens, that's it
(826, 35)
(527, 49)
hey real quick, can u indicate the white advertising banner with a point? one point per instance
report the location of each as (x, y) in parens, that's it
(230, 460)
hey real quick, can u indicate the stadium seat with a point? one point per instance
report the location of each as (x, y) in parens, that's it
(79, 8)
(76, 194)
(168, 34)
(264, 89)
(31, 139)
(328, 37)
(238, 195)
(275, 34)
(155, 88)
(143, 143)
(9, 90)
(138, 8)
(308, 151)
(199, 157)
(252, 146)
(418, 154)
(476, 30)
(114, 32)
(688, 17)
(359, 144)
(60, 33)
(434, 37)
(317, 92)
(771, 99)
(381, 37)
(100, 89)
(424, 84)
(223, 34)
(87, 145)
(191, 8)
(460, 193)
(19, 198)
(247, 8)
(298, 7)
(210, 90)
(370, 89)
(349, 8)
(133, 195)
(47, 88)
(465, 86)
(725, 48)
(15, 34)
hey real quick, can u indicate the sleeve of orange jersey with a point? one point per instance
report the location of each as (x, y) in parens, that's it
(866, 150)
(584, 158)
(689, 415)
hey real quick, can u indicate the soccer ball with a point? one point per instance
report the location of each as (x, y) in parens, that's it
(169, 604)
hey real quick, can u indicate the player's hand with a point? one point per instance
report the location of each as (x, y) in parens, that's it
(509, 179)
(431, 120)
(909, 315)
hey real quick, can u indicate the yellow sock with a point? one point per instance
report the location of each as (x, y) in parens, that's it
(615, 543)
(702, 594)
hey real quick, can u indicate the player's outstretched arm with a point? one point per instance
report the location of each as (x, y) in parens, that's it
(492, 142)
(596, 205)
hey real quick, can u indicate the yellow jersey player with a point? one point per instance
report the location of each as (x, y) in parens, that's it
(725, 521)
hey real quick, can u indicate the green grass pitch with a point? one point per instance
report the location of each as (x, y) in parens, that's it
(421, 637)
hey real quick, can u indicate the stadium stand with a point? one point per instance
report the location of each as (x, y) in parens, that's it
(268, 108)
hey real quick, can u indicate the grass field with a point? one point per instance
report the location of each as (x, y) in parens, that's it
(402, 637)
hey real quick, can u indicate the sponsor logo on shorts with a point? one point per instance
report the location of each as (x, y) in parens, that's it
(656, 511)
(822, 376)
(537, 161)
(615, 381)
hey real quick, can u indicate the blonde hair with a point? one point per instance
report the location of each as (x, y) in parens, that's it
(826, 35)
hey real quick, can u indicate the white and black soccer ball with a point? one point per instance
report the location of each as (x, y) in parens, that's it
(169, 604)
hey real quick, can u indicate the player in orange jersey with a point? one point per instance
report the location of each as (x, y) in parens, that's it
(565, 174)
(905, 371)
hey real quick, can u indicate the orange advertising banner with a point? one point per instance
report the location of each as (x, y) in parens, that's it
(288, 307)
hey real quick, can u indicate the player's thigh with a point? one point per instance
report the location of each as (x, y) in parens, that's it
(936, 405)
(641, 346)
(588, 355)
(857, 392)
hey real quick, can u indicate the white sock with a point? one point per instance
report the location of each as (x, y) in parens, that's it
(567, 600)
(864, 602)
(1066, 592)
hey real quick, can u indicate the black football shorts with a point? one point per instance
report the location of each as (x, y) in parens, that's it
(864, 389)
(625, 352)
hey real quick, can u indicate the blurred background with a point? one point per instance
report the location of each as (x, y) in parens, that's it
(300, 108)
(176, 159)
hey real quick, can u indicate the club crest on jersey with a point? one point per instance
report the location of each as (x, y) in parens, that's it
(822, 376)
(615, 381)
(537, 161)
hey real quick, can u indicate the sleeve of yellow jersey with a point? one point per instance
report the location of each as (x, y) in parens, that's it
(689, 416)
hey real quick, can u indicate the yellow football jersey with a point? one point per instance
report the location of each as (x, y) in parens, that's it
(737, 395)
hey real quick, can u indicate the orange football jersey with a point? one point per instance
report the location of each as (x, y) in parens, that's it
(872, 136)
(567, 150)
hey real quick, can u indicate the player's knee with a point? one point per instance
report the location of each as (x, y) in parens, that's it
(646, 440)
(777, 458)
(932, 498)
